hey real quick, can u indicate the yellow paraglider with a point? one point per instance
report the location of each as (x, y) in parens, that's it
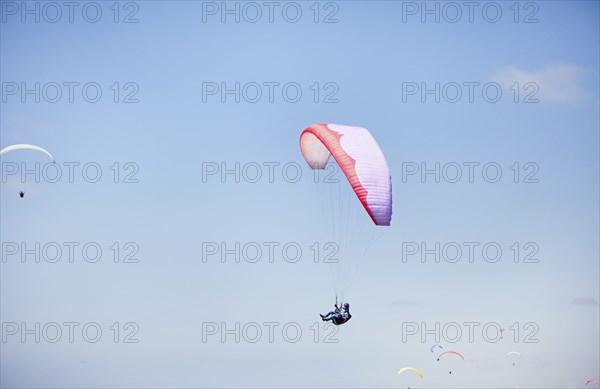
(412, 369)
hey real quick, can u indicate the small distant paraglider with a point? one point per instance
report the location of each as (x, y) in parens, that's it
(434, 346)
(410, 369)
(590, 382)
(450, 352)
(25, 147)
(518, 354)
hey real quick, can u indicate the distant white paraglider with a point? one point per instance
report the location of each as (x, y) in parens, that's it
(516, 353)
(25, 147)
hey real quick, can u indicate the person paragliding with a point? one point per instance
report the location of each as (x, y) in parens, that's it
(25, 147)
(450, 353)
(351, 225)
(518, 354)
(338, 316)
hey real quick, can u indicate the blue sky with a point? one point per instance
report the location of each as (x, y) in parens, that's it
(369, 55)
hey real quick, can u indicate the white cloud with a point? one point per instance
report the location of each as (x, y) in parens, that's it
(556, 84)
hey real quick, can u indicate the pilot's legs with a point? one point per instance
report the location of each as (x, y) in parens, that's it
(329, 316)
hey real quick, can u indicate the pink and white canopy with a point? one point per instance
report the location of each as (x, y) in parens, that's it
(360, 158)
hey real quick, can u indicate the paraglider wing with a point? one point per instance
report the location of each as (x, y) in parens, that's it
(515, 353)
(25, 147)
(411, 369)
(451, 352)
(360, 158)
(590, 382)
(434, 346)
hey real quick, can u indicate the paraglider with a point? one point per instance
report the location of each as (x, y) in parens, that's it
(434, 346)
(518, 354)
(590, 382)
(359, 157)
(25, 147)
(450, 352)
(410, 369)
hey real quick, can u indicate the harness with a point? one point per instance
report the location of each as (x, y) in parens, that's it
(340, 320)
